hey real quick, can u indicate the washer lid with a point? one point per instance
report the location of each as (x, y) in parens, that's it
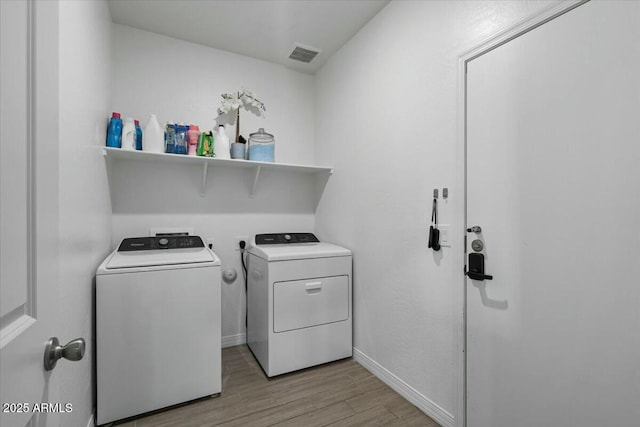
(158, 251)
(160, 257)
(290, 251)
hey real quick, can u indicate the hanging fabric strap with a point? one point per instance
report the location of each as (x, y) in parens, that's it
(434, 233)
(434, 212)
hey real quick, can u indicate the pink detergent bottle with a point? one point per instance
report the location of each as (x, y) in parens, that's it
(192, 135)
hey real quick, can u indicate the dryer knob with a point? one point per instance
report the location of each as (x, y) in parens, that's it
(287, 237)
(163, 242)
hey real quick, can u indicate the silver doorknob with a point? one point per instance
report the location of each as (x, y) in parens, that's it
(73, 350)
(477, 245)
(474, 229)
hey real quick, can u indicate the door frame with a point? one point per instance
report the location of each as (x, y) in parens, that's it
(460, 211)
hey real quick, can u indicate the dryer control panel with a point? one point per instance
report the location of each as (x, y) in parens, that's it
(284, 238)
(160, 242)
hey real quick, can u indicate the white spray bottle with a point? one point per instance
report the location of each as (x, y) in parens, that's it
(221, 147)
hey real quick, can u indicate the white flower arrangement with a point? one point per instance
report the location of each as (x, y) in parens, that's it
(236, 100)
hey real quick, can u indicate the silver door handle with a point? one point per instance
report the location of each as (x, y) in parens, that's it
(474, 229)
(73, 350)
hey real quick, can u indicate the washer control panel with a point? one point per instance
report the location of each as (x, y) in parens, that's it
(284, 238)
(160, 242)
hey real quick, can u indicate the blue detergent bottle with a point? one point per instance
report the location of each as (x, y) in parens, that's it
(181, 142)
(114, 131)
(169, 137)
(138, 135)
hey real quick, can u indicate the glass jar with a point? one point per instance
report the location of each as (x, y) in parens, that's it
(261, 146)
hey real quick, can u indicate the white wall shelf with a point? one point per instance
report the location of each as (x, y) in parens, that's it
(206, 162)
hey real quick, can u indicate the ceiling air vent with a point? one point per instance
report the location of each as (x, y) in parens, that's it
(303, 53)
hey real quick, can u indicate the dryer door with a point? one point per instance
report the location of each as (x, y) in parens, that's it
(311, 302)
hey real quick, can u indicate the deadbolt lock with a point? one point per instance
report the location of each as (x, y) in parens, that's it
(477, 245)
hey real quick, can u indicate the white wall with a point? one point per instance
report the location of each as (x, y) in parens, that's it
(182, 81)
(386, 119)
(85, 212)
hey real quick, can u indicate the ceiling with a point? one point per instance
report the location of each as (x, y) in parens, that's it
(263, 29)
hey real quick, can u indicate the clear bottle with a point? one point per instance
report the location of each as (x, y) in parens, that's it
(169, 137)
(181, 143)
(221, 147)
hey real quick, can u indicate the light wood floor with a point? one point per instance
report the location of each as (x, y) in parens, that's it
(341, 393)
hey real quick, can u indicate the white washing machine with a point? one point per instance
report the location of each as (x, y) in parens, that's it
(157, 326)
(299, 305)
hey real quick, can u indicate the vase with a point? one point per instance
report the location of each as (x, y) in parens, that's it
(237, 150)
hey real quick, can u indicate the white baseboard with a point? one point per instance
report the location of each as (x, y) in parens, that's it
(405, 390)
(232, 340)
(91, 422)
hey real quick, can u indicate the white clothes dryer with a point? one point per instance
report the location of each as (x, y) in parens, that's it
(299, 302)
(157, 326)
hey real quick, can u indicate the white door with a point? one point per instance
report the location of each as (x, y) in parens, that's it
(29, 210)
(553, 180)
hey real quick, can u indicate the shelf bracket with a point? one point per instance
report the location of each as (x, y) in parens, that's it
(204, 178)
(255, 182)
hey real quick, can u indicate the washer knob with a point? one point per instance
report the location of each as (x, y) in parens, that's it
(163, 242)
(287, 237)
